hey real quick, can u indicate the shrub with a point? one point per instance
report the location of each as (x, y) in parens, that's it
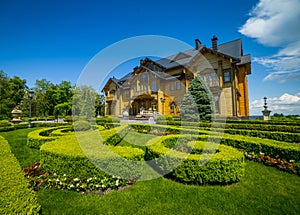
(82, 125)
(15, 196)
(106, 120)
(37, 138)
(4, 123)
(223, 167)
(65, 155)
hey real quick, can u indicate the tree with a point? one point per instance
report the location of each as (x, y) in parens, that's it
(202, 98)
(12, 91)
(189, 109)
(84, 102)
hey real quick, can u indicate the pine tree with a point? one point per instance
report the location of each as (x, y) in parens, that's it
(189, 109)
(203, 100)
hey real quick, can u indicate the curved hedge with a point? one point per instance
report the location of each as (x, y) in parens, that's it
(285, 150)
(265, 126)
(15, 196)
(37, 138)
(223, 167)
(66, 156)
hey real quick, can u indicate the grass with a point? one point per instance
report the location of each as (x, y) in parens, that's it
(136, 140)
(272, 192)
(262, 190)
(17, 140)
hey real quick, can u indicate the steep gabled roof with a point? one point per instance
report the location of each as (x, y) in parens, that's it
(179, 59)
(232, 48)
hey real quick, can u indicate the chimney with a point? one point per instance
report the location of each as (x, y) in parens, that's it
(214, 42)
(198, 43)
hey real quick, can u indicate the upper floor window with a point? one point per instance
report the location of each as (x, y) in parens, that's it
(153, 86)
(127, 94)
(207, 79)
(172, 87)
(226, 76)
(150, 66)
(214, 79)
(144, 77)
(178, 85)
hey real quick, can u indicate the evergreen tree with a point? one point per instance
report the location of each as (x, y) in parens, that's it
(203, 100)
(189, 109)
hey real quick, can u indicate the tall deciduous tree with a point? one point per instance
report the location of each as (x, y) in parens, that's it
(12, 91)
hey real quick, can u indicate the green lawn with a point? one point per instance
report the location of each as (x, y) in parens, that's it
(263, 190)
(17, 140)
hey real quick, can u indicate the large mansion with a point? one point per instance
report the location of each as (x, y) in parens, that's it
(159, 86)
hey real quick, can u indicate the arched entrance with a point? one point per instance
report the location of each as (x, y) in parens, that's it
(143, 102)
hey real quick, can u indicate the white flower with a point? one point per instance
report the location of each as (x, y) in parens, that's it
(64, 175)
(76, 179)
(57, 180)
(71, 185)
(117, 182)
(103, 186)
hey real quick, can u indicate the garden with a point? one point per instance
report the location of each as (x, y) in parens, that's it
(172, 167)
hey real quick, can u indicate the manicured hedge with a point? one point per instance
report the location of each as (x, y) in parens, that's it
(284, 150)
(15, 196)
(107, 120)
(280, 136)
(115, 135)
(270, 147)
(223, 167)
(292, 128)
(66, 156)
(38, 137)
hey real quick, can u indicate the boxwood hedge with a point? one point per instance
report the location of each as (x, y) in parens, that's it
(66, 156)
(38, 137)
(285, 150)
(15, 196)
(223, 167)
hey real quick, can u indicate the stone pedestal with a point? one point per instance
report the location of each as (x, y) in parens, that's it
(266, 115)
(266, 112)
(17, 116)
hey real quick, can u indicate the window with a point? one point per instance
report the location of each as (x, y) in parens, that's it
(217, 107)
(214, 79)
(172, 86)
(172, 106)
(153, 86)
(144, 77)
(226, 76)
(178, 85)
(207, 79)
(150, 66)
(127, 94)
(134, 89)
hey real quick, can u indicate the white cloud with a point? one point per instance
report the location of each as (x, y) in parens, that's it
(286, 104)
(276, 23)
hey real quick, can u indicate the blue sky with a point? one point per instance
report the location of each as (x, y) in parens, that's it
(56, 39)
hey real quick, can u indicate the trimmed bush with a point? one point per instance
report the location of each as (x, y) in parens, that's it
(65, 156)
(37, 138)
(107, 120)
(4, 123)
(272, 148)
(15, 196)
(82, 125)
(223, 167)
